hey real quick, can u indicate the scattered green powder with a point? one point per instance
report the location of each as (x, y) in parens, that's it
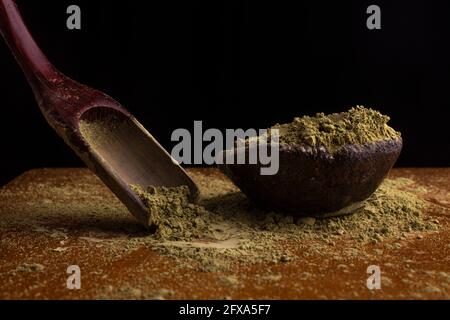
(226, 230)
(30, 267)
(357, 126)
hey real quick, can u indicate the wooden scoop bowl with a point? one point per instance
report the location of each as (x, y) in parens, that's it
(311, 181)
(112, 143)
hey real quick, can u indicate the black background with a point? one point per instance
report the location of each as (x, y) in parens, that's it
(237, 64)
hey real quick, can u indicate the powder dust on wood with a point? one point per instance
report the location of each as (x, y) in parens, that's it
(225, 230)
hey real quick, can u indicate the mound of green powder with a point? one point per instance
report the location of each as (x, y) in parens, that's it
(226, 230)
(357, 126)
(172, 216)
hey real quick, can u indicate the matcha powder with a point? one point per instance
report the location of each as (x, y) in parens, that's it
(172, 216)
(225, 230)
(357, 126)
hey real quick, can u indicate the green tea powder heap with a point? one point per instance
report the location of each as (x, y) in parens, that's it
(357, 126)
(225, 229)
(171, 215)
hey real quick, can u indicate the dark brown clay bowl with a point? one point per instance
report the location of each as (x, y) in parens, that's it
(311, 181)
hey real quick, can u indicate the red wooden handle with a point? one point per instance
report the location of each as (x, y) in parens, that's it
(33, 62)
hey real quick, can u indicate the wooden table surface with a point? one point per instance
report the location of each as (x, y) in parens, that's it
(53, 218)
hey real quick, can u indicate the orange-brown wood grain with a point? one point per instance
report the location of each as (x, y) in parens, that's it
(39, 225)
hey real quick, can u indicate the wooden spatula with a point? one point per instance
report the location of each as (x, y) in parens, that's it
(112, 143)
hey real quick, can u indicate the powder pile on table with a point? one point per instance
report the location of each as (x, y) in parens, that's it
(225, 229)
